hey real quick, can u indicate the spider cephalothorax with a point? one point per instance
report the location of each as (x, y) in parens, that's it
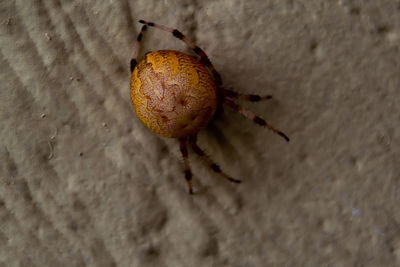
(176, 95)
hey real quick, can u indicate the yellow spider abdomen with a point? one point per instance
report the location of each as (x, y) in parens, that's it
(173, 94)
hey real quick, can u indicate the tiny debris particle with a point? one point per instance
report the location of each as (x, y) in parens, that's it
(80, 154)
(54, 135)
(48, 36)
(72, 78)
(104, 124)
(9, 21)
(51, 150)
(43, 115)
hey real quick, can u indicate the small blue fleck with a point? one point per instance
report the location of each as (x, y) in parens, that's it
(354, 211)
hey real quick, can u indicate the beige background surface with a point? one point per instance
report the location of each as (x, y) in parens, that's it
(84, 183)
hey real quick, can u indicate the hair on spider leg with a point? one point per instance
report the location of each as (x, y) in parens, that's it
(247, 97)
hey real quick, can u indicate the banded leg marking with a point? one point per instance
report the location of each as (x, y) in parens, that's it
(212, 164)
(136, 52)
(247, 97)
(188, 172)
(248, 114)
(203, 56)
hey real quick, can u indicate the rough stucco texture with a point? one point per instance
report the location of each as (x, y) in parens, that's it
(84, 183)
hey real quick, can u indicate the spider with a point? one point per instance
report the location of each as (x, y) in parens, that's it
(176, 95)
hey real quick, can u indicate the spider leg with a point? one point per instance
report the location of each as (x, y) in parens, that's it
(213, 166)
(136, 53)
(188, 172)
(248, 97)
(203, 57)
(248, 114)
